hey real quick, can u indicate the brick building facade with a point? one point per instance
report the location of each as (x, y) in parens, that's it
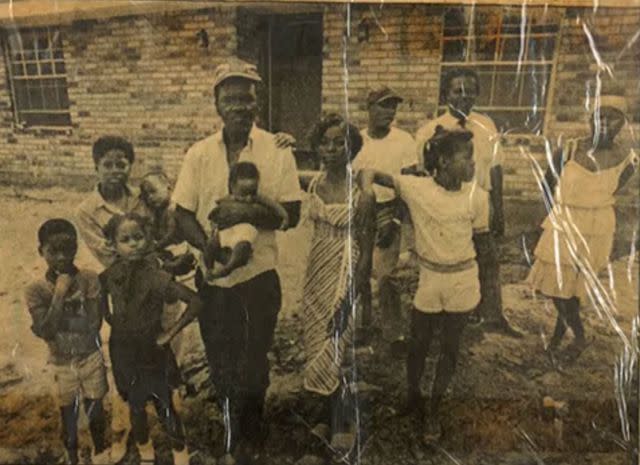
(148, 76)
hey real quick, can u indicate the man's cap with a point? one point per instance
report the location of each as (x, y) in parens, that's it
(235, 68)
(382, 93)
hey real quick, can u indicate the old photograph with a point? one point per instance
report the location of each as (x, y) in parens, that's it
(312, 233)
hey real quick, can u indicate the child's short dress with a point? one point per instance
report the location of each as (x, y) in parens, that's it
(327, 291)
(142, 369)
(578, 233)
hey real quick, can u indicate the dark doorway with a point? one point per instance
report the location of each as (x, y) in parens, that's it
(291, 64)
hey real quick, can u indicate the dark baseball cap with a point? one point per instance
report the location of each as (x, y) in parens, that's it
(382, 93)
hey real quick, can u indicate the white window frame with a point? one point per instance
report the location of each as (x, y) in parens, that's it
(36, 63)
(471, 62)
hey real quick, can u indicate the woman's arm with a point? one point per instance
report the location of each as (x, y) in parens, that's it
(626, 175)
(366, 179)
(194, 307)
(365, 236)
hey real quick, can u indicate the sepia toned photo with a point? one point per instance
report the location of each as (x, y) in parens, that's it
(313, 233)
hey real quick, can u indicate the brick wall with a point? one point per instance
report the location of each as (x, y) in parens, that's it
(147, 78)
(143, 77)
(402, 50)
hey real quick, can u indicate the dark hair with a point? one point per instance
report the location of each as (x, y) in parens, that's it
(456, 73)
(111, 229)
(56, 226)
(106, 143)
(144, 194)
(354, 139)
(443, 144)
(243, 170)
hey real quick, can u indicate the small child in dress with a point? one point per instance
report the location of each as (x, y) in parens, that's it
(231, 248)
(144, 367)
(65, 309)
(446, 211)
(155, 204)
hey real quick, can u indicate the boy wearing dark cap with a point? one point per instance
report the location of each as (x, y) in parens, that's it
(65, 309)
(386, 149)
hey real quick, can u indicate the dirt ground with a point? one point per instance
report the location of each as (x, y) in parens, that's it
(493, 414)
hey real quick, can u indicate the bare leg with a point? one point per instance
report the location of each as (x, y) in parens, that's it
(421, 333)
(561, 323)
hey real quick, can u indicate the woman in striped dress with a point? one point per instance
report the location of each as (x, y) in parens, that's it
(339, 263)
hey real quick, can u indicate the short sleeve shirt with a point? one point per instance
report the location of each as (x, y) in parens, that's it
(203, 181)
(68, 341)
(138, 294)
(93, 214)
(486, 142)
(387, 155)
(443, 220)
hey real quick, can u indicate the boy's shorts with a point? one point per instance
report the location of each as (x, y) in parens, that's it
(86, 378)
(453, 292)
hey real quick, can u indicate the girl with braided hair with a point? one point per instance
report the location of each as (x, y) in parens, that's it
(446, 211)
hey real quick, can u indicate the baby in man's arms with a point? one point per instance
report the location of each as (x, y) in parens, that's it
(231, 248)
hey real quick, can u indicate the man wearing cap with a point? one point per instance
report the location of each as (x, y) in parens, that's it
(386, 149)
(241, 309)
(460, 89)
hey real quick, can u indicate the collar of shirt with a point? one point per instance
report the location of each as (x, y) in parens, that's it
(449, 120)
(95, 201)
(219, 139)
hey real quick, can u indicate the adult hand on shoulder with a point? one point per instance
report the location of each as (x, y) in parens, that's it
(364, 208)
(284, 140)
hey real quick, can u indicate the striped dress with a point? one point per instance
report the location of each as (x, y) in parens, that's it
(328, 297)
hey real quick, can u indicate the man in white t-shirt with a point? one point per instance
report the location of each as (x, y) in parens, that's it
(386, 149)
(241, 309)
(460, 90)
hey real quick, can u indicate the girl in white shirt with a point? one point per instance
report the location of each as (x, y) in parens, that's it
(445, 210)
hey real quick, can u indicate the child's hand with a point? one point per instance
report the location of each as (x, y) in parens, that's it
(63, 284)
(164, 338)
